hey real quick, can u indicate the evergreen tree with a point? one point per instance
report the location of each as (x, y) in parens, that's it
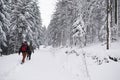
(25, 24)
(60, 27)
(4, 24)
(78, 23)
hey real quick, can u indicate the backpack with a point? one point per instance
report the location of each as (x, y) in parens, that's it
(24, 48)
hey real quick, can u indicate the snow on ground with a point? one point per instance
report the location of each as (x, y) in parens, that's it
(89, 63)
(41, 67)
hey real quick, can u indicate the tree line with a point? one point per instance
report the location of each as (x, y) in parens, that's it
(75, 23)
(82, 22)
(19, 20)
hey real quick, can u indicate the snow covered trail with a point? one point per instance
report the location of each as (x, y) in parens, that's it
(59, 64)
(8, 64)
(41, 67)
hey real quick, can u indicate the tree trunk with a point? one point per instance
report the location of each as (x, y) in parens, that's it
(116, 12)
(109, 22)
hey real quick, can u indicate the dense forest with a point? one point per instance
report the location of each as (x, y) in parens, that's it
(81, 40)
(75, 23)
(19, 20)
(82, 22)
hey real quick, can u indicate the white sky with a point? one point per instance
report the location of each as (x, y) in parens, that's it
(47, 7)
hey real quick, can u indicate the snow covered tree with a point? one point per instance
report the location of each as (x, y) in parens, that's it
(61, 23)
(94, 17)
(25, 24)
(4, 24)
(79, 33)
(37, 30)
(74, 18)
(114, 19)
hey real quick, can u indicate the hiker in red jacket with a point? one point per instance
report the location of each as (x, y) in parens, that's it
(25, 51)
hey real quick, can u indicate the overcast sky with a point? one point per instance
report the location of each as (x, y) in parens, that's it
(47, 7)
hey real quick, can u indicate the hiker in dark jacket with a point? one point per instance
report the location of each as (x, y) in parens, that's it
(30, 51)
(25, 51)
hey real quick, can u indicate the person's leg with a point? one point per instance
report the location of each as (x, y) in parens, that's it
(24, 56)
(29, 55)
